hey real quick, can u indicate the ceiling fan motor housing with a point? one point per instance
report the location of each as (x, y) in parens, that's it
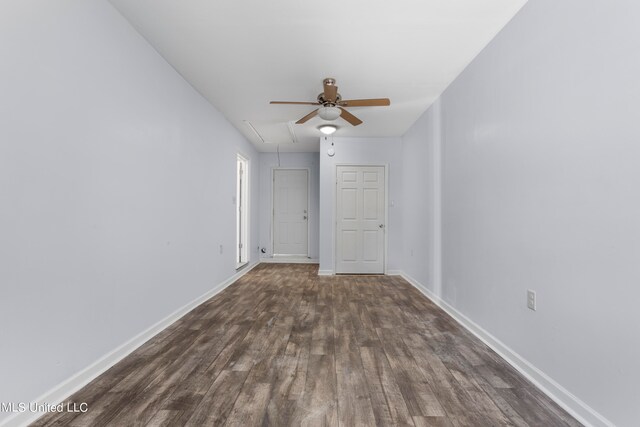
(323, 101)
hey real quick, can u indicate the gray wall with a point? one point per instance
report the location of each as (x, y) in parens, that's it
(421, 200)
(268, 162)
(540, 140)
(116, 187)
(360, 151)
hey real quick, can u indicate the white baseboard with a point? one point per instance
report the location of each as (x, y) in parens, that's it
(285, 260)
(331, 273)
(65, 389)
(570, 403)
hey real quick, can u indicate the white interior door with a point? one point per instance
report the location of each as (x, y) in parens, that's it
(290, 211)
(360, 219)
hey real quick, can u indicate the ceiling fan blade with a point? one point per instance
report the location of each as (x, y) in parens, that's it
(377, 102)
(307, 117)
(330, 92)
(349, 117)
(294, 102)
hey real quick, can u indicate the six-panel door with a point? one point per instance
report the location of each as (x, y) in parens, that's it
(360, 219)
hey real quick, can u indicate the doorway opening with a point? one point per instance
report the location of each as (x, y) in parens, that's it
(242, 212)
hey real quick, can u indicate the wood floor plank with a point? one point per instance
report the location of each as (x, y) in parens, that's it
(322, 339)
(354, 402)
(299, 345)
(389, 406)
(250, 406)
(417, 392)
(529, 408)
(216, 405)
(481, 407)
(432, 422)
(283, 346)
(163, 418)
(447, 390)
(500, 402)
(275, 369)
(318, 406)
(158, 393)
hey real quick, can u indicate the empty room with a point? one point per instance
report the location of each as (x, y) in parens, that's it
(285, 213)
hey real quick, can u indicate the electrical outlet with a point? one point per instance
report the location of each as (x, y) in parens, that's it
(531, 299)
(221, 249)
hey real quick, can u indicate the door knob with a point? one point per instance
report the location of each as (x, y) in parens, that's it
(305, 217)
(381, 226)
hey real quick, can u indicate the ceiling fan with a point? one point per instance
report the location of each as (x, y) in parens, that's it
(331, 104)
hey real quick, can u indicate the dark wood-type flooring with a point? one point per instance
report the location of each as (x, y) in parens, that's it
(282, 346)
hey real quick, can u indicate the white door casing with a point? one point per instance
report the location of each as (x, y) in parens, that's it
(242, 211)
(290, 211)
(360, 219)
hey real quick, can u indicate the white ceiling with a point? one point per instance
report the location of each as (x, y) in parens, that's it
(242, 54)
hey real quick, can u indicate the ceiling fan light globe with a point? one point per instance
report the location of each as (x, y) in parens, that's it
(327, 129)
(329, 113)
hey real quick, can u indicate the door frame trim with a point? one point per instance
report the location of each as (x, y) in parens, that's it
(272, 210)
(247, 210)
(334, 235)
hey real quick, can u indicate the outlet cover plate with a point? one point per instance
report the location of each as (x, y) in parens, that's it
(531, 299)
